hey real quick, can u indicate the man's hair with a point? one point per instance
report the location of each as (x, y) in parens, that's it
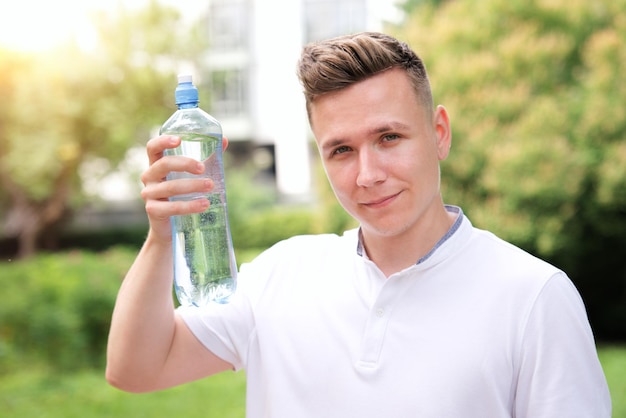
(337, 63)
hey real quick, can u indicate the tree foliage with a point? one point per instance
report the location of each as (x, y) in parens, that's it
(536, 89)
(72, 105)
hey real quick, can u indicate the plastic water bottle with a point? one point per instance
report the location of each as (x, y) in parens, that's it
(205, 270)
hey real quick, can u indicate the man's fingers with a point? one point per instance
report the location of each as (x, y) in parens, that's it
(156, 146)
(163, 209)
(163, 166)
(167, 189)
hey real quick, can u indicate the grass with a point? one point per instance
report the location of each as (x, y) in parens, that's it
(613, 359)
(86, 394)
(35, 394)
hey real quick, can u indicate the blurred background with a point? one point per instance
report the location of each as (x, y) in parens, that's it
(537, 96)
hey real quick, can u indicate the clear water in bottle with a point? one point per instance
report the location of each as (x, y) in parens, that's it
(205, 267)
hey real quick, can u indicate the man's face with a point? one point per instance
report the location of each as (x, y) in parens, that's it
(381, 151)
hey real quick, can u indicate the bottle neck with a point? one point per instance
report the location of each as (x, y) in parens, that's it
(188, 105)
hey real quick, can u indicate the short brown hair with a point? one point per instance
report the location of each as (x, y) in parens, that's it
(337, 63)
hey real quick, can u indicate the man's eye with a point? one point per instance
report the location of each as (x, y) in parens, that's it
(341, 150)
(390, 137)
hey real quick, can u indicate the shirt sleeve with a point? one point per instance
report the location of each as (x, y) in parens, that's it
(227, 330)
(222, 329)
(559, 373)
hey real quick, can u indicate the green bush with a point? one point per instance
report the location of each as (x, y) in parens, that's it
(257, 222)
(103, 239)
(265, 228)
(56, 309)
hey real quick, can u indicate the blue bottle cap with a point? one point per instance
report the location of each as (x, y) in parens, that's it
(186, 92)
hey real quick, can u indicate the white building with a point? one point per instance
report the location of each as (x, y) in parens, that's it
(255, 45)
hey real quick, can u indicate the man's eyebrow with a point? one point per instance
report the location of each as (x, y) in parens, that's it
(389, 126)
(332, 143)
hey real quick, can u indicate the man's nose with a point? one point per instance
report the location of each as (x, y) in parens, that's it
(371, 169)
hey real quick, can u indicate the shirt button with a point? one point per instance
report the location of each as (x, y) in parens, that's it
(380, 312)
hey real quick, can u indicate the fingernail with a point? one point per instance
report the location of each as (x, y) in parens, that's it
(200, 167)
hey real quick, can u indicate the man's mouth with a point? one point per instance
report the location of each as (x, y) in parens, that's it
(380, 202)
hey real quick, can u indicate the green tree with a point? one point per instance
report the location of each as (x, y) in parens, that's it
(536, 89)
(71, 105)
(409, 6)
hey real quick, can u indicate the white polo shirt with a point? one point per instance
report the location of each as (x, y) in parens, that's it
(478, 328)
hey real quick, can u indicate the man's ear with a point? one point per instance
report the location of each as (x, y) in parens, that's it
(441, 123)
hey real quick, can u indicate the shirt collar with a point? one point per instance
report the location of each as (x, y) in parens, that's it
(455, 226)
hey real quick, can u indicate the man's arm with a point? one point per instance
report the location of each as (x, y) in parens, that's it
(150, 347)
(560, 374)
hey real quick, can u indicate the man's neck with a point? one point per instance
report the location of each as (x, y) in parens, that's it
(395, 253)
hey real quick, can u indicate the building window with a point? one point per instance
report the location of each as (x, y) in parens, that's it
(228, 24)
(329, 18)
(229, 93)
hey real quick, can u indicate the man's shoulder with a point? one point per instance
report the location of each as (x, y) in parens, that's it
(498, 252)
(318, 242)
(303, 249)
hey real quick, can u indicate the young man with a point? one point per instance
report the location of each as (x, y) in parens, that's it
(414, 314)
